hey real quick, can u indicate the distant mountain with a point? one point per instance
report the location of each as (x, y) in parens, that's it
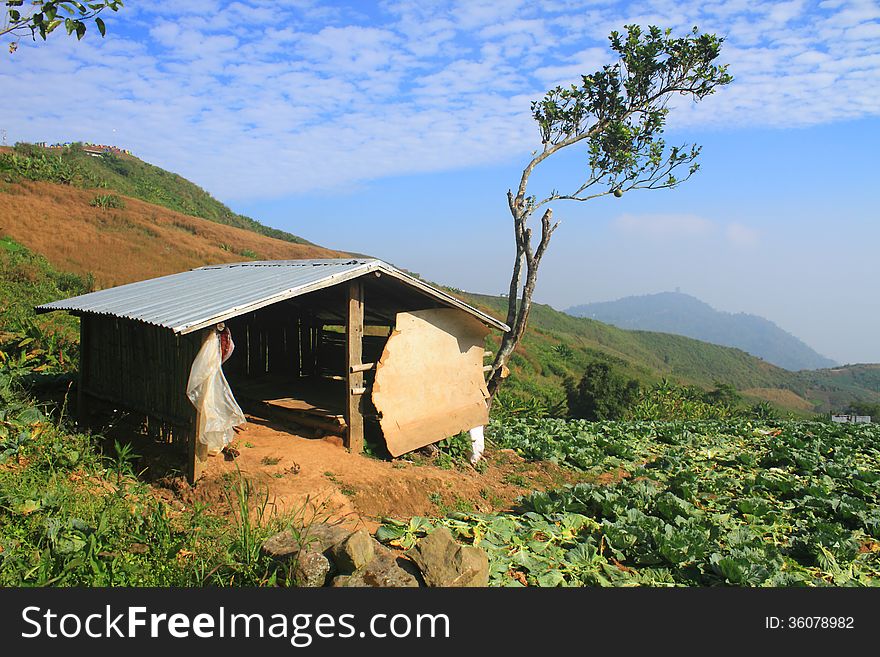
(682, 314)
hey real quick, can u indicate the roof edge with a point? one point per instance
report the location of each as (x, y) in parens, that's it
(402, 276)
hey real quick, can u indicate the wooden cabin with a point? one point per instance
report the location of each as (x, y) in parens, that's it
(327, 343)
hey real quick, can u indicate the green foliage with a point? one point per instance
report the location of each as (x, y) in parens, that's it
(62, 523)
(864, 408)
(667, 401)
(723, 394)
(594, 447)
(34, 164)
(648, 357)
(453, 451)
(709, 503)
(619, 113)
(639, 355)
(764, 411)
(105, 201)
(403, 534)
(564, 351)
(621, 109)
(601, 394)
(249, 512)
(508, 404)
(29, 343)
(42, 18)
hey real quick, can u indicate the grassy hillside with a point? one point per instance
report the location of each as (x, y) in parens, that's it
(130, 242)
(128, 176)
(558, 345)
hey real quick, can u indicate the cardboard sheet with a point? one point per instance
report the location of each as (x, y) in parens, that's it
(429, 381)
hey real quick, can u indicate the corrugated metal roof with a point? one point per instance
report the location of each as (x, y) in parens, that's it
(191, 300)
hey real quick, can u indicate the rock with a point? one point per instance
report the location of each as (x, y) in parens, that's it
(281, 545)
(408, 566)
(444, 562)
(317, 538)
(353, 553)
(428, 450)
(382, 575)
(354, 559)
(311, 570)
(322, 537)
(473, 564)
(383, 571)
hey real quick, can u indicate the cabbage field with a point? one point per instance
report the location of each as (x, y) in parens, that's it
(685, 504)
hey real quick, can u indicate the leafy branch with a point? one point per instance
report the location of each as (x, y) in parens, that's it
(43, 17)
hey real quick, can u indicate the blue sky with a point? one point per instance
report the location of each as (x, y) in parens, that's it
(395, 129)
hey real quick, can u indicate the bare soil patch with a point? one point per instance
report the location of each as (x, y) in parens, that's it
(294, 471)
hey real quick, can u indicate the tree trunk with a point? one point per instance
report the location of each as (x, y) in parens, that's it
(519, 304)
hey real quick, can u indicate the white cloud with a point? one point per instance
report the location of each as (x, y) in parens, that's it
(266, 99)
(580, 63)
(742, 236)
(685, 228)
(662, 226)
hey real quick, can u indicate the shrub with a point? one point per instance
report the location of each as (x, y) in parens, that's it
(601, 394)
(105, 201)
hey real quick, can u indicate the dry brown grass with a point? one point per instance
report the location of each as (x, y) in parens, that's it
(780, 397)
(123, 245)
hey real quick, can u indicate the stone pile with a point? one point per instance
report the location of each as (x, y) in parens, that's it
(331, 555)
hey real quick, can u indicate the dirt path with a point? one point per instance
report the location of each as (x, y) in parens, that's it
(295, 471)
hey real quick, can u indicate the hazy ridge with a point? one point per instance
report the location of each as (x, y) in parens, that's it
(682, 314)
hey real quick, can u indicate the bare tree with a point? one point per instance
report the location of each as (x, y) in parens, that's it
(619, 114)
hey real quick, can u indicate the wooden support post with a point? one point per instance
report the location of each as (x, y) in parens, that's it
(82, 402)
(354, 338)
(294, 360)
(198, 452)
(307, 364)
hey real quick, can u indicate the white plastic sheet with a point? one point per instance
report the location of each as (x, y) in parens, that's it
(210, 393)
(478, 444)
